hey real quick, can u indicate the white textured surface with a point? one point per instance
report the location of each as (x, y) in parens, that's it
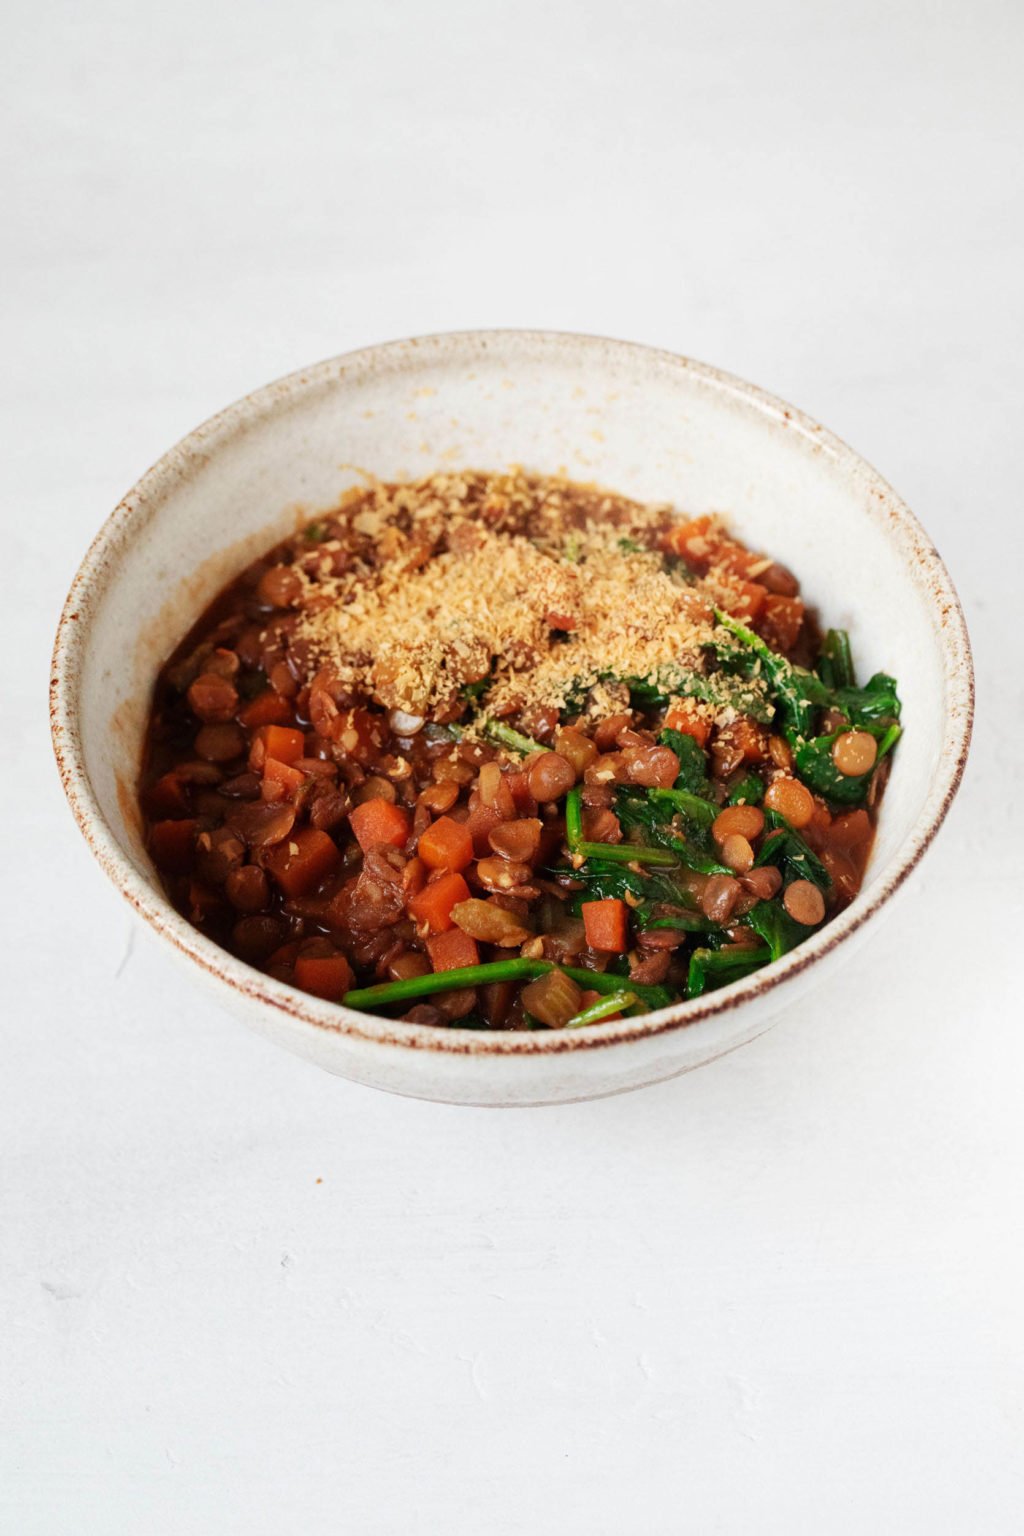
(783, 1293)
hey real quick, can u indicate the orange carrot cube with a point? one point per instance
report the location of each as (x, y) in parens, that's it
(446, 844)
(604, 923)
(326, 976)
(379, 823)
(451, 950)
(432, 907)
(302, 860)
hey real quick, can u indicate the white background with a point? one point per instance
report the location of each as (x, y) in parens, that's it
(783, 1294)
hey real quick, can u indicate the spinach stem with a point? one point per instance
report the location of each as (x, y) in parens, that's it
(836, 650)
(514, 969)
(445, 981)
(574, 818)
(698, 809)
(684, 922)
(627, 853)
(615, 1002)
(612, 853)
(889, 740)
(504, 736)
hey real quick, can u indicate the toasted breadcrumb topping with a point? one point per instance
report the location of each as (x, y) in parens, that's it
(517, 591)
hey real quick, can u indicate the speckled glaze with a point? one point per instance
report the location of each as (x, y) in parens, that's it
(643, 422)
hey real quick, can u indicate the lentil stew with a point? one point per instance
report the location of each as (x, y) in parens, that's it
(501, 751)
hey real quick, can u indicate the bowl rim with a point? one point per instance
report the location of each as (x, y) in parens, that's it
(128, 519)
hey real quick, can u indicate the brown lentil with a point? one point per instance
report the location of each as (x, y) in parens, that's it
(804, 903)
(550, 776)
(737, 854)
(764, 883)
(745, 821)
(791, 800)
(854, 753)
(720, 896)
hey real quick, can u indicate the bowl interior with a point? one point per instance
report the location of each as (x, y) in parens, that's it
(639, 422)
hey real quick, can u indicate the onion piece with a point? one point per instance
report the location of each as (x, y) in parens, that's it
(403, 724)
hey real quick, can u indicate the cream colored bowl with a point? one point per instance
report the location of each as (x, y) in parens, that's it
(646, 423)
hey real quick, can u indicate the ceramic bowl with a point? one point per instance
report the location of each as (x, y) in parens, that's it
(646, 423)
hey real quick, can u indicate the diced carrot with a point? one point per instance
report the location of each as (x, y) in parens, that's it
(452, 949)
(737, 559)
(171, 844)
(480, 823)
(695, 542)
(281, 742)
(267, 708)
(446, 844)
(167, 796)
(378, 823)
(780, 621)
(433, 905)
(743, 599)
(604, 923)
(326, 976)
(280, 779)
(685, 718)
(749, 737)
(302, 860)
